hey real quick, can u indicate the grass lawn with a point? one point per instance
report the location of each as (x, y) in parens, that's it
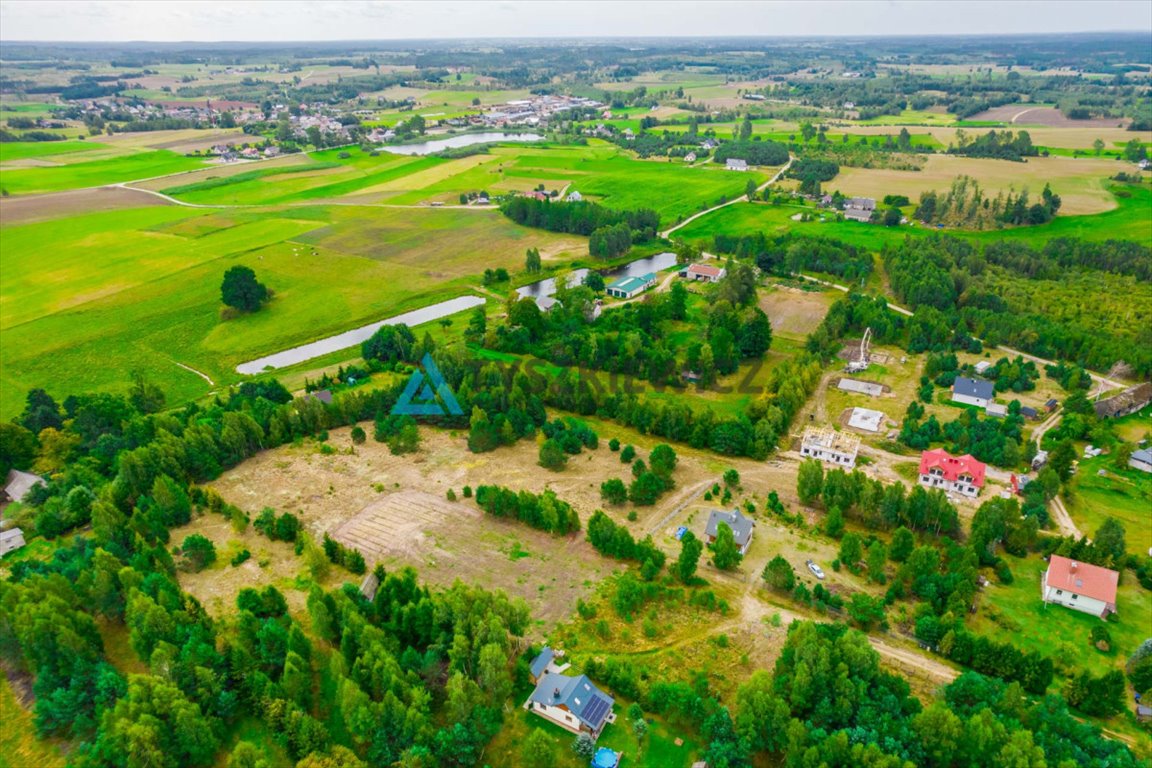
(1125, 494)
(658, 751)
(1010, 613)
(19, 747)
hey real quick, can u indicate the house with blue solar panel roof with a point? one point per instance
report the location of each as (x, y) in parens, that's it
(573, 703)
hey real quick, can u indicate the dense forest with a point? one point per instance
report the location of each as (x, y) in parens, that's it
(957, 293)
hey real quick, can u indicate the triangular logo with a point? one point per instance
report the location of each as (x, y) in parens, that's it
(419, 397)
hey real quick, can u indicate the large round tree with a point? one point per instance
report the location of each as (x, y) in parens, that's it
(242, 290)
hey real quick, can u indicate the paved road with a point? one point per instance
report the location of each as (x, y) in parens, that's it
(740, 199)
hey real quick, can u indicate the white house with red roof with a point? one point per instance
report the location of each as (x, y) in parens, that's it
(959, 474)
(1079, 586)
(705, 272)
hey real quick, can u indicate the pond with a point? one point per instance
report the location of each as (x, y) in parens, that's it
(464, 140)
(358, 335)
(657, 263)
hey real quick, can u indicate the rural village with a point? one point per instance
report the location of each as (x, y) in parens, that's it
(731, 403)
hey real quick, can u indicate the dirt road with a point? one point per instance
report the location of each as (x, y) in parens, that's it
(740, 199)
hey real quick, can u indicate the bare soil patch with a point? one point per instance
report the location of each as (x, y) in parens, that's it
(795, 312)
(22, 210)
(1023, 114)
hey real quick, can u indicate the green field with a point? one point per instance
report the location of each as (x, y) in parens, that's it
(22, 150)
(1129, 220)
(94, 173)
(87, 300)
(600, 171)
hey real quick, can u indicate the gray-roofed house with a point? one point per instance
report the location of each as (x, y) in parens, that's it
(741, 527)
(1129, 401)
(19, 483)
(859, 208)
(573, 703)
(977, 392)
(323, 395)
(1141, 460)
(11, 540)
(547, 662)
(1029, 413)
(736, 164)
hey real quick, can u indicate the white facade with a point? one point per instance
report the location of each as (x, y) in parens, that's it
(1068, 599)
(562, 717)
(963, 484)
(979, 402)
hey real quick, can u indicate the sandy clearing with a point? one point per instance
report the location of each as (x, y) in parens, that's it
(1078, 181)
(795, 312)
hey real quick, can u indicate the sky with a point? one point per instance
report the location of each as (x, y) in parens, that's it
(315, 20)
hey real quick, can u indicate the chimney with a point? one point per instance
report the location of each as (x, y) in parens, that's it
(1072, 567)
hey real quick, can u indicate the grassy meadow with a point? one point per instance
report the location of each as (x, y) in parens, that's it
(151, 297)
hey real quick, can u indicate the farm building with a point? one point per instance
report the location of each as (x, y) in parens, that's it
(1051, 405)
(830, 446)
(1141, 460)
(627, 287)
(1079, 586)
(997, 410)
(736, 164)
(962, 474)
(573, 703)
(11, 540)
(20, 483)
(545, 664)
(859, 208)
(860, 387)
(705, 272)
(1029, 413)
(1129, 401)
(866, 419)
(708, 144)
(982, 367)
(690, 157)
(741, 527)
(977, 392)
(574, 197)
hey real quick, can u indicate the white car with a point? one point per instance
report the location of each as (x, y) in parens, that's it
(817, 571)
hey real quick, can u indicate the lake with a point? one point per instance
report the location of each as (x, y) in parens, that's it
(464, 140)
(358, 335)
(657, 263)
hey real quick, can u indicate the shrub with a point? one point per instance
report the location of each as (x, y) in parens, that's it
(198, 552)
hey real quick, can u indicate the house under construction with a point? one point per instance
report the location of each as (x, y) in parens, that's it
(830, 446)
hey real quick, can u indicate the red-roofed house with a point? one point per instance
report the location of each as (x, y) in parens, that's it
(962, 474)
(705, 272)
(1082, 587)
